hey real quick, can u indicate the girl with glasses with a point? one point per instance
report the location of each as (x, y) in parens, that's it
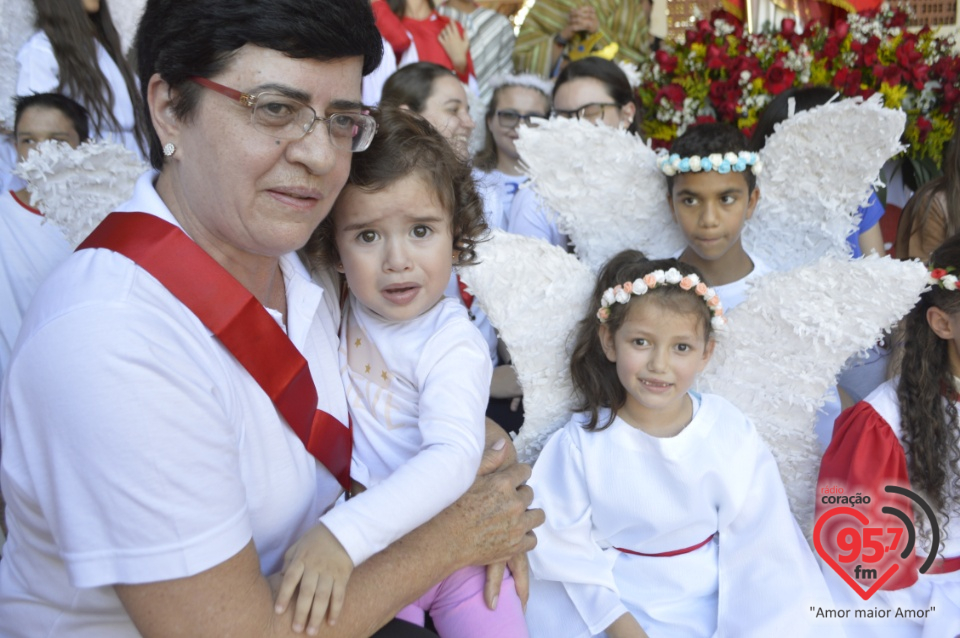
(596, 90)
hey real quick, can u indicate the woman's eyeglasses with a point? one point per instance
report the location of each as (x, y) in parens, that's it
(284, 118)
(590, 112)
(508, 118)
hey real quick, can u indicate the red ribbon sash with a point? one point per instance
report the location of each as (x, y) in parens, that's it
(676, 552)
(238, 320)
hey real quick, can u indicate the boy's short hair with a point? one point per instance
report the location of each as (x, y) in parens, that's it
(73, 111)
(706, 139)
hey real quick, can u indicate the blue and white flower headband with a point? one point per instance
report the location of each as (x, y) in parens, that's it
(719, 162)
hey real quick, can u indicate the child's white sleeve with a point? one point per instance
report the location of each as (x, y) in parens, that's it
(566, 551)
(454, 374)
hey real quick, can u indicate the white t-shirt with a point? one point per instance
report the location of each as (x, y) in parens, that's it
(417, 392)
(30, 247)
(39, 72)
(137, 449)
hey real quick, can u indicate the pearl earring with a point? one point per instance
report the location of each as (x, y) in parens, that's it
(169, 149)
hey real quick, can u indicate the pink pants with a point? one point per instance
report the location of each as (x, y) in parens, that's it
(458, 611)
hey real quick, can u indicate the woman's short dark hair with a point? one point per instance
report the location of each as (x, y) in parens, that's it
(407, 144)
(71, 109)
(180, 39)
(412, 85)
(605, 71)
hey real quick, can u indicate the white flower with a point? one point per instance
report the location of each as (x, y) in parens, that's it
(622, 296)
(717, 323)
(659, 275)
(695, 163)
(731, 157)
(949, 282)
(639, 287)
(669, 170)
(607, 298)
(672, 276)
(716, 159)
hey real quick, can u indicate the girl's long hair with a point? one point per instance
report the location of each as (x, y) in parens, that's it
(930, 430)
(916, 214)
(594, 377)
(73, 34)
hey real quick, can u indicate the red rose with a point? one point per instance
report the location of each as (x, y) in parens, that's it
(951, 95)
(779, 79)
(788, 26)
(841, 29)
(715, 57)
(899, 19)
(831, 48)
(924, 126)
(667, 62)
(946, 68)
(674, 94)
(920, 74)
(869, 56)
(892, 75)
(938, 273)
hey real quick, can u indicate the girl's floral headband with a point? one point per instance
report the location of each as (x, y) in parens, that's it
(719, 162)
(943, 277)
(671, 277)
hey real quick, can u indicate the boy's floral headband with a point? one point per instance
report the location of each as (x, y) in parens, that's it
(671, 277)
(943, 277)
(719, 162)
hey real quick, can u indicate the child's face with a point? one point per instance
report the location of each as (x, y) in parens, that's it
(395, 245)
(448, 110)
(519, 100)
(712, 209)
(39, 124)
(658, 352)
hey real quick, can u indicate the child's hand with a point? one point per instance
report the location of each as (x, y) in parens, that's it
(456, 46)
(320, 565)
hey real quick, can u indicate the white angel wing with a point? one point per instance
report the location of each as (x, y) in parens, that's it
(817, 169)
(126, 17)
(534, 293)
(784, 346)
(16, 27)
(76, 188)
(604, 185)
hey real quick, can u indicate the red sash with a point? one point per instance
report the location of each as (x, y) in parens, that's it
(238, 320)
(675, 552)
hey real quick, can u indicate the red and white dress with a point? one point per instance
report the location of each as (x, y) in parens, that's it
(422, 35)
(865, 456)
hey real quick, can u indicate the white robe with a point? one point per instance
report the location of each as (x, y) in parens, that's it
(620, 487)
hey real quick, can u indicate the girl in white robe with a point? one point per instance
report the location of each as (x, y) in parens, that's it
(665, 511)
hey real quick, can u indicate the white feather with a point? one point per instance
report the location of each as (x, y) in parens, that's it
(16, 27)
(535, 293)
(818, 167)
(783, 348)
(77, 188)
(604, 185)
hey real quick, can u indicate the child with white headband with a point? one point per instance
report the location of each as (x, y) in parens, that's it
(658, 498)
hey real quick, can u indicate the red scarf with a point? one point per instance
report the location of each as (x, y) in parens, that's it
(238, 320)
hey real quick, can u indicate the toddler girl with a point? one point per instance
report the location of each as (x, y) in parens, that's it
(660, 501)
(416, 373)
(906, 433)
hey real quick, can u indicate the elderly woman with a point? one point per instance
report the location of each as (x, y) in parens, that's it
(172, 419)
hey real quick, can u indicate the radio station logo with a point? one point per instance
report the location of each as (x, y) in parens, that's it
(868, 551)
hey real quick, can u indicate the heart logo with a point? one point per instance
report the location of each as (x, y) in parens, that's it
(860, 516)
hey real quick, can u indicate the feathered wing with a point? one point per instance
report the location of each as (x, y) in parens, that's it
(16, 27)
(818, 167)
(534, 293)
(605, 187)
(75, 188)
(783, 348)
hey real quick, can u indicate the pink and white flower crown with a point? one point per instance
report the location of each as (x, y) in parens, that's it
(622, 293)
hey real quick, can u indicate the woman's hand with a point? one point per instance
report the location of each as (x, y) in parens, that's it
(456, 45)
